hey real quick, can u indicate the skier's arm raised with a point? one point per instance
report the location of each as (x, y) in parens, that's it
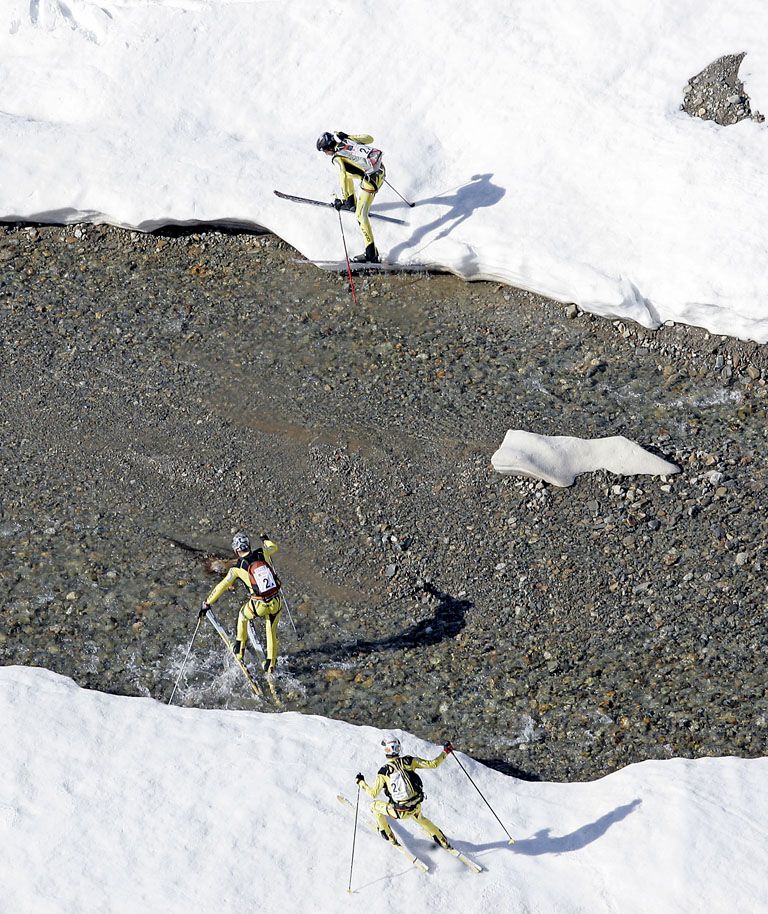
(227, 583)
(269, 547)
(426, 763)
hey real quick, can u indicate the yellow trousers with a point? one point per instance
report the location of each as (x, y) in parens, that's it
(363, 200)
(269, 611)
(384, 811)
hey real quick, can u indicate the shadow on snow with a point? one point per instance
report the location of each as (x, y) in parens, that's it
(544, 843)
(461, 204)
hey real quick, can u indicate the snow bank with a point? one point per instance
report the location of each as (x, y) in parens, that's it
(559, 459)
(543, 143)
(119, 805)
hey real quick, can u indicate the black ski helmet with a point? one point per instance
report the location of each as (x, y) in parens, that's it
(326, 141)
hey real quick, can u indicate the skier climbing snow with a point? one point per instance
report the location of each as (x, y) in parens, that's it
(403, 789)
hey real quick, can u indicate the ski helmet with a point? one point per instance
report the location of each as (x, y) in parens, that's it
(326, 141)
(240, 542)
(391, 746)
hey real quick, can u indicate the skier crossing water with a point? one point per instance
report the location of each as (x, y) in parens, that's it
(253, 569)
(404, 791)
(356, 159)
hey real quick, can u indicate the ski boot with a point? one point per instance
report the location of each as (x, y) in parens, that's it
(238, 649)
(371, 255)
(442, 841)
(348, 204)
(268, 666)
(389, 837)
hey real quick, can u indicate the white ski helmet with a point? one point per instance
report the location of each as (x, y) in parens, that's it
(240, 542)
(391, 746)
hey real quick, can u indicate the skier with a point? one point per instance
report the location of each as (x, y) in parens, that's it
(403, 789)
(355, 158)
(253, 569)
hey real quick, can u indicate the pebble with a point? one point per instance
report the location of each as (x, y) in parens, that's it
(611, 622)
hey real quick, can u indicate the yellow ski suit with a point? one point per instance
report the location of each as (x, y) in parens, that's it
(349, 171)
(389, 779)
(269, 610)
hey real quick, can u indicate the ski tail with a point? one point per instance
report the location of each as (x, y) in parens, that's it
(467, 861)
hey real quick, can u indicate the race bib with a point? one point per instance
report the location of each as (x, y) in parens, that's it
(367, 157)
(264, 579)
(399, 788)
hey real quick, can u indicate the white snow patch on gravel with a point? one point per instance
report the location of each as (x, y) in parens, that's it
(559, 459)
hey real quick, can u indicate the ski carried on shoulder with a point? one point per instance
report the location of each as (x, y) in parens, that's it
(311, 202)
(255, 687)
(370, 824)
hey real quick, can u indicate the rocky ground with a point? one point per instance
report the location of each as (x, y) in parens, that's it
(180, 386)
(717, 94)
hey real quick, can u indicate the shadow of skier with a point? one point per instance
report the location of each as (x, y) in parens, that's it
(478, 193)
(541, 843)
(448, 621)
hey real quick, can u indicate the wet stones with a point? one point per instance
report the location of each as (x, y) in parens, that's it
(428, 594)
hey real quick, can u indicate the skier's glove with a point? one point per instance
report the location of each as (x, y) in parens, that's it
(448, 748)
(359, 779)
(338, 204)
(263, 536)
(203, 610)
(341, 135)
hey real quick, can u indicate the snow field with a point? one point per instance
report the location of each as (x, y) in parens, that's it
(117, 804)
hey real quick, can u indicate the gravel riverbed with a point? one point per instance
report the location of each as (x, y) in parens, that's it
(182, 385)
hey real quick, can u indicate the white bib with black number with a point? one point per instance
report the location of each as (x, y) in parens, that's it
(368, 158)
(263, 579)
(399, 787)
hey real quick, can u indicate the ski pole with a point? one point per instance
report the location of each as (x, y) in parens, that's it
(283, 598)
(354, 838)
(349, 268)
(511, 839)
(398, 193)
(181, 671)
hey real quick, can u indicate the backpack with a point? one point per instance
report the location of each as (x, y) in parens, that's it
(403, 788)
(264, 580)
